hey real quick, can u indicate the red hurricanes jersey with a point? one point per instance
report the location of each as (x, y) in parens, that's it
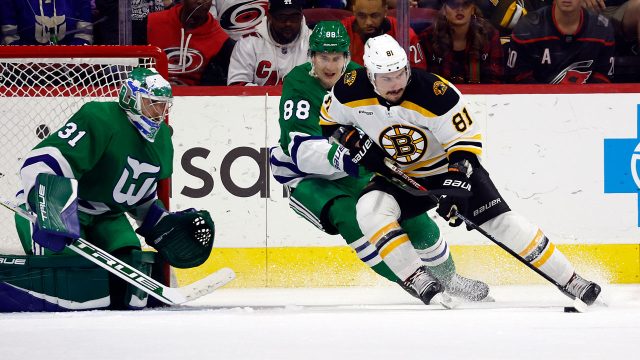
(416, 56)
(188, 51)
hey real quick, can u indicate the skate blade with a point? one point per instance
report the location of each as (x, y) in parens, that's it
(445, 300)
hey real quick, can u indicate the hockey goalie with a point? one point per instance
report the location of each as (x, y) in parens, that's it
(81, 181)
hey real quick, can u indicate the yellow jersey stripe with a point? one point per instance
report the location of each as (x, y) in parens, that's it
(474, 150)
(394, 244)
(363, 102)
(546, 256)
(477, 137)
(417, 108)
(385, 229)
(532, 244)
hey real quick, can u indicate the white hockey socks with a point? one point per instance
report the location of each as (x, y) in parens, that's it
(530, 243)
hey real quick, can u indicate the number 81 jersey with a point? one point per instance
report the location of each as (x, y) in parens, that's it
(429, 123)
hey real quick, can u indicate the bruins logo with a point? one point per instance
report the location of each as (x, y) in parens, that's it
(439, 87)
(350, 78)
(405, 144)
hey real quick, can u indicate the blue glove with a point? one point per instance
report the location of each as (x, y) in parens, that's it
(50, 240)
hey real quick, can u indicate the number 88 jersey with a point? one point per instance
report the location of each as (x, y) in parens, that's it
(429, 123)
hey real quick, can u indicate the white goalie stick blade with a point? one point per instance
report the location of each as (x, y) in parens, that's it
(206, 285)
(166, 294)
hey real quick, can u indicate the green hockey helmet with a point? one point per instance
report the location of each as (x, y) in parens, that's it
(146, 97)
(329, 36)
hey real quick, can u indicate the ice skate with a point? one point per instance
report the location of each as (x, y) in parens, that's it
(583, 289)
(422, 285)
(468, 289)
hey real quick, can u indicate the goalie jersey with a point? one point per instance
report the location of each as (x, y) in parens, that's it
(420, 133)
(117, 170)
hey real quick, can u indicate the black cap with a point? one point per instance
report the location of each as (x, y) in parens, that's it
(277, 5)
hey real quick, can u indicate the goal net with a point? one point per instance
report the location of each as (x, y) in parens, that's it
(40, 88)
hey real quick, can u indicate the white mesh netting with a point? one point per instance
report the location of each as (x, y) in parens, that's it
(36, 97)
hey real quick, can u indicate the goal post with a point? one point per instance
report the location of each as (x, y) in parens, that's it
(41, 87)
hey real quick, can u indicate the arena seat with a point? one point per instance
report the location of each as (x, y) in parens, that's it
(314, 15)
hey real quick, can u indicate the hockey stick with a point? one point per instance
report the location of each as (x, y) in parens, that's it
(166, 294)
(408, 184)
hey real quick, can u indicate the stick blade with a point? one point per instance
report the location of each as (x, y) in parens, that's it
(204, 286)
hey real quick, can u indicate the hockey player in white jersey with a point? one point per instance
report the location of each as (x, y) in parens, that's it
(280, 43)
(420, 121)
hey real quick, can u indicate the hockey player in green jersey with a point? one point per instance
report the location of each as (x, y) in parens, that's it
(104, 162)
(325, 182)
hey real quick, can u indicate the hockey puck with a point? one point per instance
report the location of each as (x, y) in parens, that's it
(42, 131)
(570, 309)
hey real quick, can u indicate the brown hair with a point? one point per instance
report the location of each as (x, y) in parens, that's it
(477, 36)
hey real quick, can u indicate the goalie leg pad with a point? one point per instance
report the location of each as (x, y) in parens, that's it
(530, 243)
(125, 296)
(51, 283)
(377, 214)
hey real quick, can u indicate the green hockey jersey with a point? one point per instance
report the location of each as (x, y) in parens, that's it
(302, 150)
(117, 170)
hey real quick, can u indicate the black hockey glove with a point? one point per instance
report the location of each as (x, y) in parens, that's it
(454, 192)
(184, 238)
(363, 150)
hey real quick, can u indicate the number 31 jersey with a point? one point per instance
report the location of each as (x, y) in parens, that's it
(429, 123)
(117, 170)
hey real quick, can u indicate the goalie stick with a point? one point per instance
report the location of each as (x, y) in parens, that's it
(166, 294)
(408, 184)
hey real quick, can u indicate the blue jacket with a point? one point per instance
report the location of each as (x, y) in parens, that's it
(44, 22)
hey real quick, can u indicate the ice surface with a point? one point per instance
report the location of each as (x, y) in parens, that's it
(525, 322)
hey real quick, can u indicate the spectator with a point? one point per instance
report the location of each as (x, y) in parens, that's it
(107, 25)
(625, 15)
(53, 22)
(196, 46)
(369, 20)
(561, 44)
(325, 4)
(280, 43)
(462, 46)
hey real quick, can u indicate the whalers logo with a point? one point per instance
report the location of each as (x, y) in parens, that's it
(135, 182)
(405, 144)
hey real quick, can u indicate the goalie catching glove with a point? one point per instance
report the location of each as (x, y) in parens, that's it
(184, 238)
(55, 202)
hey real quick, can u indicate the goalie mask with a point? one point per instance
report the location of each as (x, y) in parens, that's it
(383, 55)
(146, 97)
(329, 37)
